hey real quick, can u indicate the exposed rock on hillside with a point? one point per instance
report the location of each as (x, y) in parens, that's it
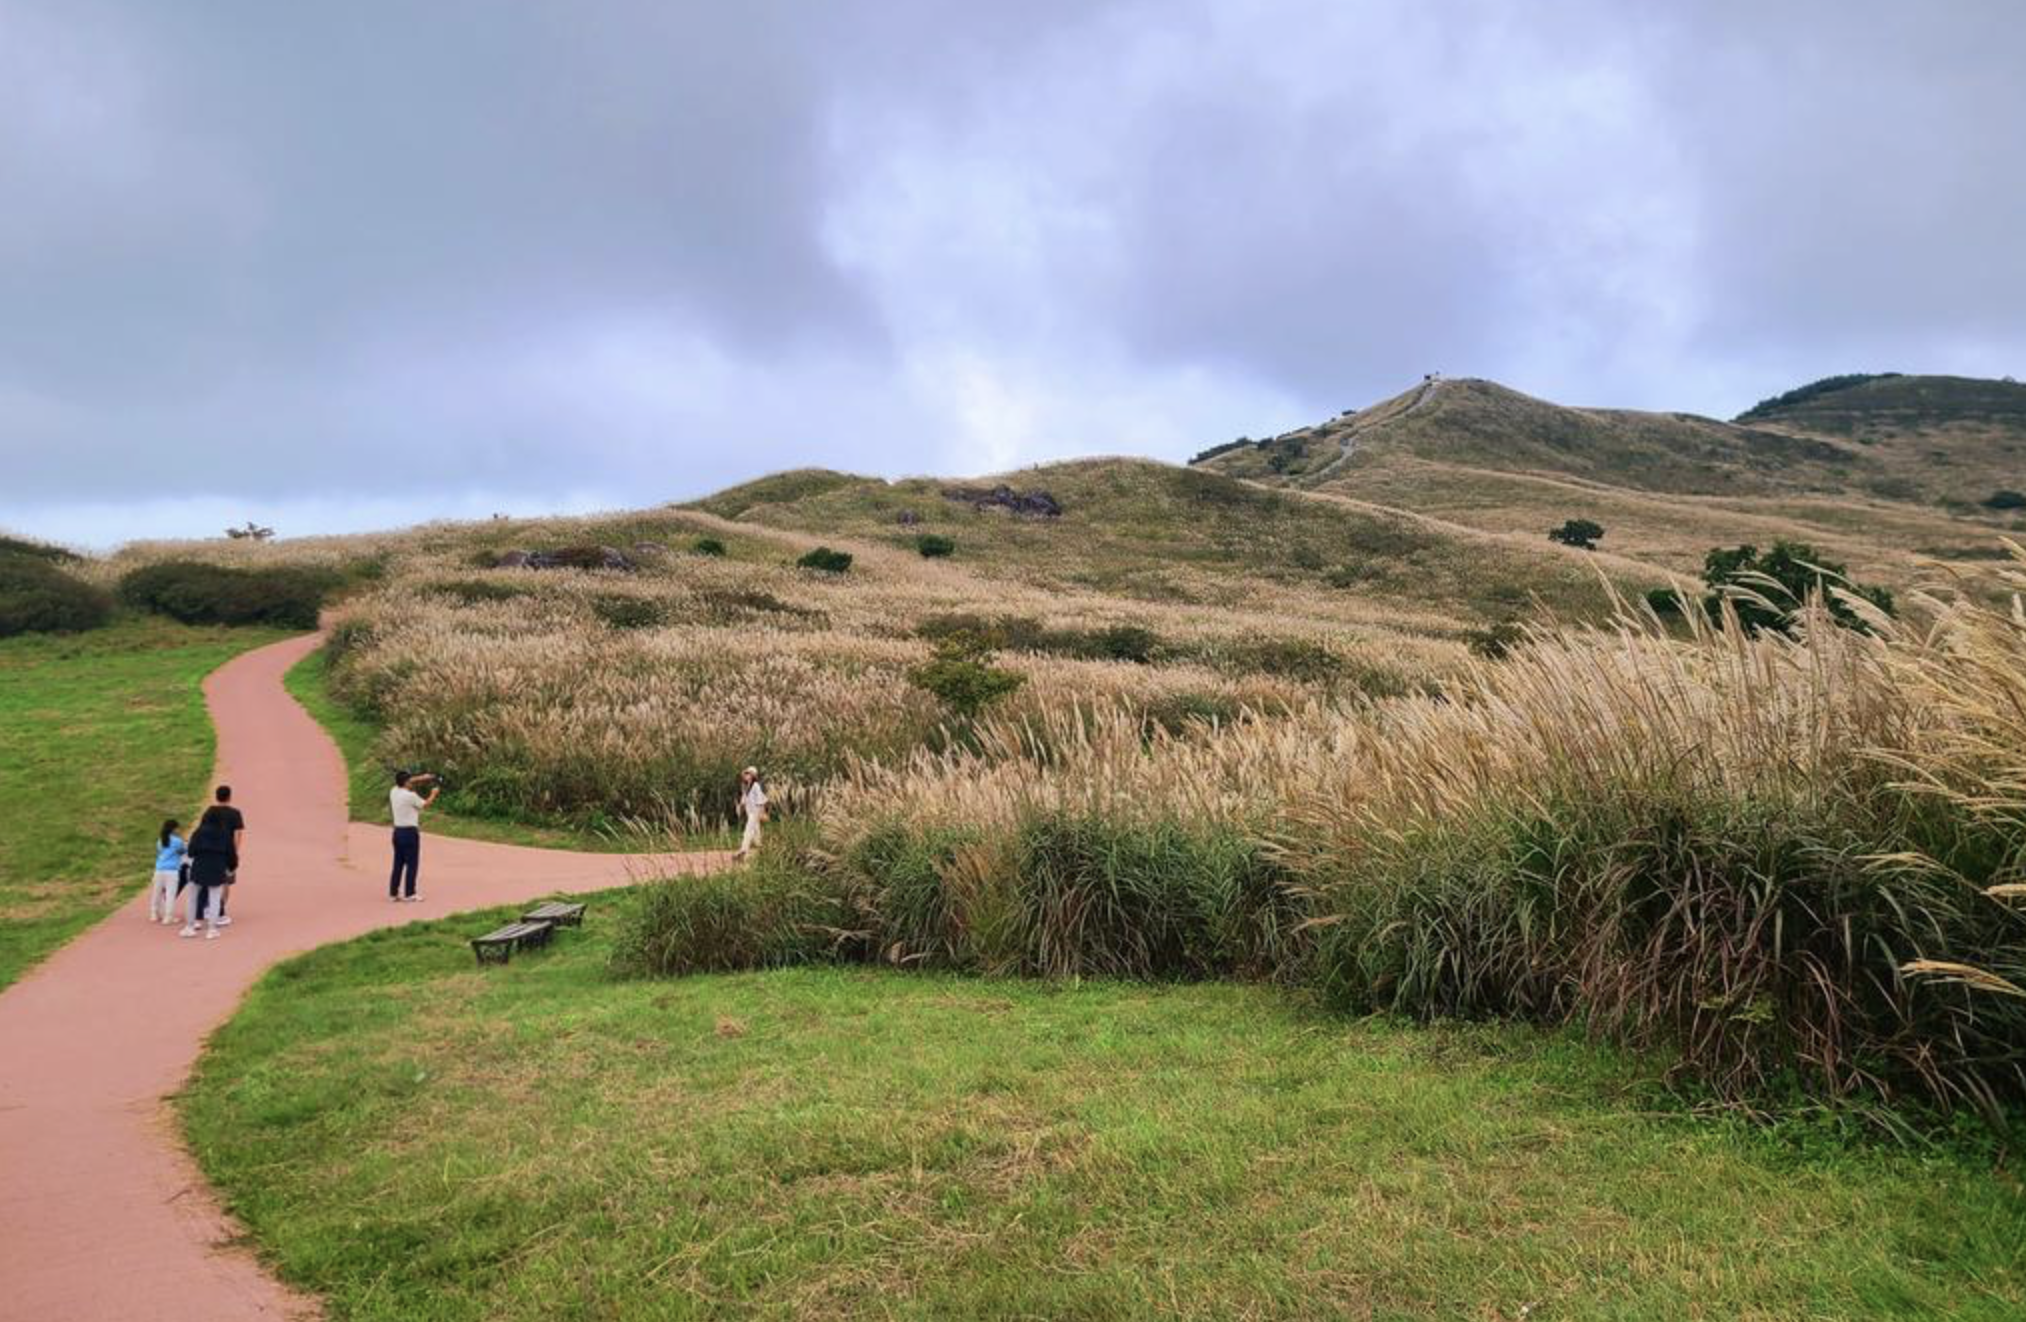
(1034, 504)
(567, 557)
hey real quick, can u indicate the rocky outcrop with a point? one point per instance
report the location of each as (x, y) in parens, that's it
(567, 557)
(1031, 504)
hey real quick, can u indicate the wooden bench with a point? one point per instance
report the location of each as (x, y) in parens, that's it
(497, 947)
(560, 912)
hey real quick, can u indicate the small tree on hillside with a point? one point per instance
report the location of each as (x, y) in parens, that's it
(1768, 588)
(826, 560)
(962, 677)
(1579, 533)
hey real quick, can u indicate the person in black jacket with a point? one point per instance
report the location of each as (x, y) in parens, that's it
(214, 857)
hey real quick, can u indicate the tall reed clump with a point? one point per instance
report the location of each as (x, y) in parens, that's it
(1789, 861)
(1710, 848)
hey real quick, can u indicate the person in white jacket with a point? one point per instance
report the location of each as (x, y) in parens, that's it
(753, 803)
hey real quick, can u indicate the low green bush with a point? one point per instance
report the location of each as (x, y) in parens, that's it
(935, 546)
(1304, 659)
(624, 612)
(1177, 713)
(1761, 942)
(710, 546)
(772, 914)
(1495, 641)
(37, 597)
(22, 548)
(962, 677)
(1074, 896)
(1579, 533)
(1078, 896)
(198, 593)
(737, 605)
(1667, 603)
(825, 560)
(1024, 633)
(1767, 590)
(479, 591)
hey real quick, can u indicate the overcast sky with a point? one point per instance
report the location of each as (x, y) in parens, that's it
(349, 265)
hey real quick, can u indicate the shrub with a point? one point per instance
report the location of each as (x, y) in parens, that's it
(197, 593)
(1075, 895)
(1024, 633)
(1579, 533)
(1828, 385)
(962, 678)
(1204, 456)
(1767, 590)
(1178, 713)
(477, 591)
(935, 546)
(2005, 500)
(624, 612)
(826, 560)
(710, 546)
(773, 914)
(1667, 603)
(1304, 659)
(37, 597)
(22, 548)
(1495, 641)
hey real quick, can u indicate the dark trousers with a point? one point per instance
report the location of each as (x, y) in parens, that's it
(202, 902)
(407, 858)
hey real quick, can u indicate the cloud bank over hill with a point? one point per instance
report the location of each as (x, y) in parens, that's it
(339, 265)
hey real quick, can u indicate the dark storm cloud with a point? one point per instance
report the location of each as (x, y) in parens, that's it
(341, 264)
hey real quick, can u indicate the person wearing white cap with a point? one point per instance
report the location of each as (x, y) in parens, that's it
(753, 803)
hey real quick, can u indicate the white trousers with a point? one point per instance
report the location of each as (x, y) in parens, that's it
(162, 896)
(751, 840)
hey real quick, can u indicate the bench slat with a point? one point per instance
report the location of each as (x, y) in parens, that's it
(497, 946)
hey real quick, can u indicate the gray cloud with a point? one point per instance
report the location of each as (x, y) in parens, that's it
(344, 263)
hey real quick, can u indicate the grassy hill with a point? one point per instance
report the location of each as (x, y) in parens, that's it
(1873, 469)
(1153, 532)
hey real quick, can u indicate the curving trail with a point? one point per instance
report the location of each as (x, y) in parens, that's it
(103, 1215)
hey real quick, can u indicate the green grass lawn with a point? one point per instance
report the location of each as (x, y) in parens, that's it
(417, 1139)
(102, 735)
(370, 780)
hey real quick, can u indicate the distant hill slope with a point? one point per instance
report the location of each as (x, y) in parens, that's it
(1871, 466)
(1156, 532)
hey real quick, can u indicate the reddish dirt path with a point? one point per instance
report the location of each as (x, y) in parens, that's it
(102, 1213)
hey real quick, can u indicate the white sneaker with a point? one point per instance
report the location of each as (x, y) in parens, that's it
(224, 920)
(211, 934)
(187, 931)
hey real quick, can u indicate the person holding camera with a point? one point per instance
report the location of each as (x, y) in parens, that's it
(753, 803)
(407, 808)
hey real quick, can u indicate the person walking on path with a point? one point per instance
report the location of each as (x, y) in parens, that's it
(237, 824)
(753, 803)
(214, 857)
(169, 851)
(407, 808)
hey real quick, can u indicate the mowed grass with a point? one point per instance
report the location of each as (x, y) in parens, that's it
(417, 1139)
(369, 780)
(102, 735)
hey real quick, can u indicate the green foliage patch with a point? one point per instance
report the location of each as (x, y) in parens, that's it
(825, 560)
(38, 597)
(194, 592)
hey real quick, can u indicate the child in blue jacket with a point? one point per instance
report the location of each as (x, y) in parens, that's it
(169, 850)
